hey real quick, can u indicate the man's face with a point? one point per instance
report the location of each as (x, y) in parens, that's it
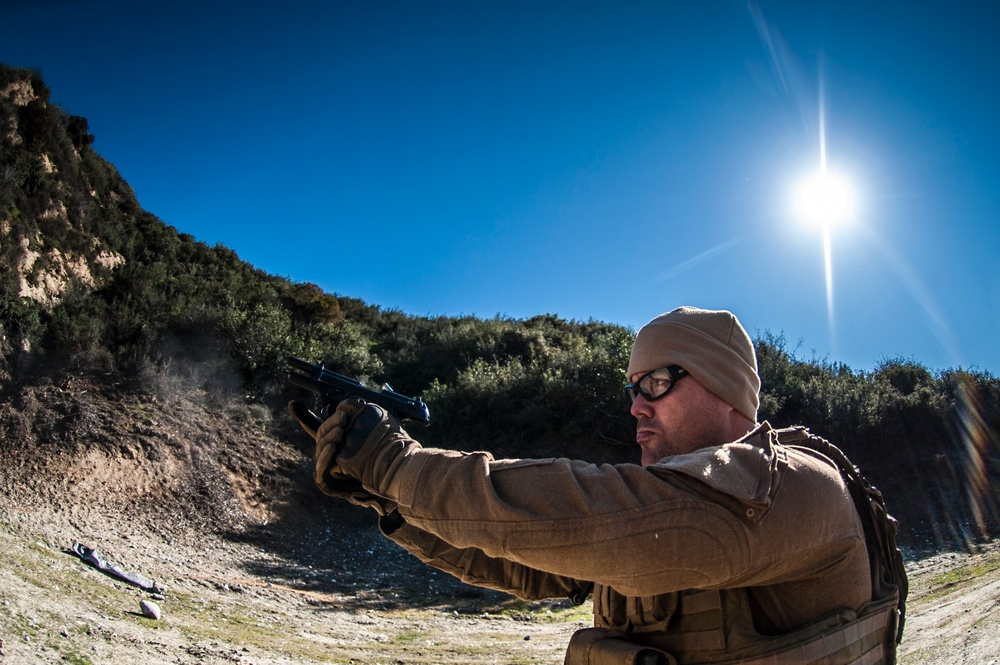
(689, 417)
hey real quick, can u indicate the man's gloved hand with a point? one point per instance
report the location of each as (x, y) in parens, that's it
(329, 443)
(336, 484)
(363, 441)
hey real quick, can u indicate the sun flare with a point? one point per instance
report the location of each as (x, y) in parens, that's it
(825, 199)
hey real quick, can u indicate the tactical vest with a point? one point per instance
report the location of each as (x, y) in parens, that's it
(716, 626)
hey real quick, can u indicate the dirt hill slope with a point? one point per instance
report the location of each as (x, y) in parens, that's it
(209, 499)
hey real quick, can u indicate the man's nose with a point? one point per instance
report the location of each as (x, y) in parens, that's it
(640, 407)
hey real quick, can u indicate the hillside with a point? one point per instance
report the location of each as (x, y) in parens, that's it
(142, 392)
(213, 503)
(94, 287)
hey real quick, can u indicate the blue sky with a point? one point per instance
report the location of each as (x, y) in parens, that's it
(594, 160)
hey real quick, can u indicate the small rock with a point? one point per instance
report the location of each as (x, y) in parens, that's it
(64, 632)
(150, 609)
(157, 596)
(527, 638)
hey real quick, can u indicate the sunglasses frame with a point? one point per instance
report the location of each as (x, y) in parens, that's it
(675, 372)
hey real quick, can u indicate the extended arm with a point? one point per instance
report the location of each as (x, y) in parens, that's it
(473, 566)
(720, 517)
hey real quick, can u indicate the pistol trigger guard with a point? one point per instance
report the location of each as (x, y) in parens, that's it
(307, 418)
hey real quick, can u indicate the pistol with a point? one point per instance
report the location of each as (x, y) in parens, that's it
(332, 388)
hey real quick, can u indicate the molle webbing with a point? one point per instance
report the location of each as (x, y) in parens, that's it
(700, 620)
(859, 642)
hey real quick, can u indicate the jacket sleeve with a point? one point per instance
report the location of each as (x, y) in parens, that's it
(473, 566)
(717, 518)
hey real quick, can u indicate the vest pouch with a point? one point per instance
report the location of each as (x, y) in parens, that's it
(600, 646)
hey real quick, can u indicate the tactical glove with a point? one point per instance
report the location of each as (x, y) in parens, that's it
(330, 482)
(365, 442)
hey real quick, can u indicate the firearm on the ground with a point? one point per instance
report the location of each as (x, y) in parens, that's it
(332, 388)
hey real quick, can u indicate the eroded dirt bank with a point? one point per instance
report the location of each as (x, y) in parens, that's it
(215, 504)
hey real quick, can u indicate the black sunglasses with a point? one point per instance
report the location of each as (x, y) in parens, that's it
(656, 384)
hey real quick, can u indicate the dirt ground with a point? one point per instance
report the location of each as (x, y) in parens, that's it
(257, 569)
(231, 602)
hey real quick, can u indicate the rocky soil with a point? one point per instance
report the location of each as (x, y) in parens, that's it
(213, 501)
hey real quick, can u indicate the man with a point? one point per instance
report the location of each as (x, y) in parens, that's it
(731, 543)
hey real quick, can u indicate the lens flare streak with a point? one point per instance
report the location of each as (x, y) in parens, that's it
(828, 266)
(977, 437)
(827, 251)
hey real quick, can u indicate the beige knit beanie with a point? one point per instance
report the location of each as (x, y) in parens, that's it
(711, 345)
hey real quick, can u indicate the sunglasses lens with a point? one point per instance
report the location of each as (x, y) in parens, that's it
(655, 384)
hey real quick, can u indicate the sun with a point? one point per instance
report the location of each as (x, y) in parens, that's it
(825, 199)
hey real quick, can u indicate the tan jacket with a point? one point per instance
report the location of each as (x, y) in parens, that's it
(753, 514)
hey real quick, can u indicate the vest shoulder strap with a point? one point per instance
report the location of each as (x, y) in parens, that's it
(886, 560)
